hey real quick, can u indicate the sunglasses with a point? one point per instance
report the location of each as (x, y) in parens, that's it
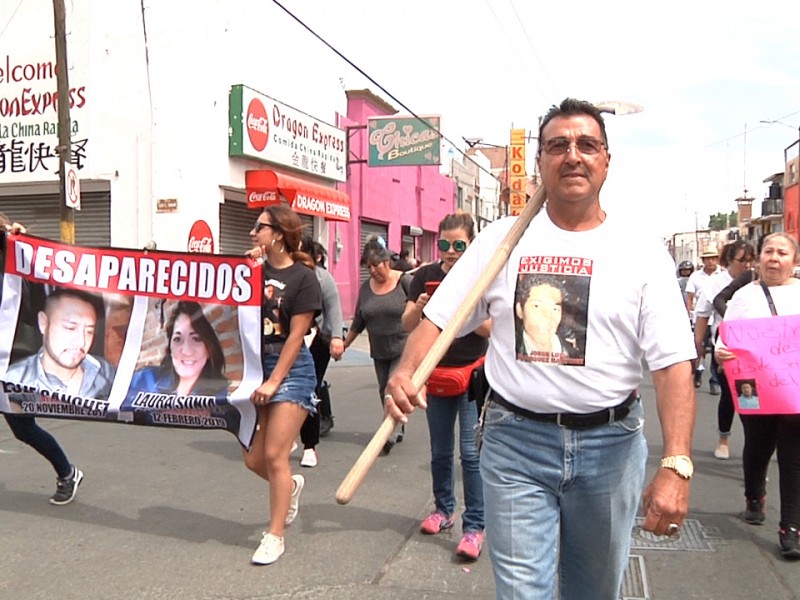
(260, 225)
(561, 145)
(458, 245)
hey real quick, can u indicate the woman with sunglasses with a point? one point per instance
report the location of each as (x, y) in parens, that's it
(286, 397)
(736, 258)
(379, 310)
(776, 292)
(455, 233)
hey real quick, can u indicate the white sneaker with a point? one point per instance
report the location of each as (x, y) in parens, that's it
(722, 452)
(294, 504)
(269, 550)
(309, 458)
(294, 447)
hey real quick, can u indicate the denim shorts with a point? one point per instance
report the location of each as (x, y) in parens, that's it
(300, 382)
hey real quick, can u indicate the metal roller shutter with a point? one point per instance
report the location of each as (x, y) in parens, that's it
(368, 229)
(236, 221)
(41, 216)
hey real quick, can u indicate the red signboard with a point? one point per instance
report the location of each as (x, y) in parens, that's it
(200, 238)
(264, 186)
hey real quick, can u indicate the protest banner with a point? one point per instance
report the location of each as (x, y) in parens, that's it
(764, 377)
(143, 337)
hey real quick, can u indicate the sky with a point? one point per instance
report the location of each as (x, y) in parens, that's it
(705, 73)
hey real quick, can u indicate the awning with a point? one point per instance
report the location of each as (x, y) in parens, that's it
(303, 196)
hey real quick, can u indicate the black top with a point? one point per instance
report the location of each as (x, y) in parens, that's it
(721, 299)
(463, 350)
(287, 292)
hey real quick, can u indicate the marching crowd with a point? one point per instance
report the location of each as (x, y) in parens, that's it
(539, 389)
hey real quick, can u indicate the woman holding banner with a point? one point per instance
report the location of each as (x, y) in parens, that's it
(777, 292)
(286, 397)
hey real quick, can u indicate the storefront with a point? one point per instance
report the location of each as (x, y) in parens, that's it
(41, 213)
(283, 156)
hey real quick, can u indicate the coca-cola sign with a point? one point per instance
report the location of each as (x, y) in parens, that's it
(263, 198)
(200, 238)
(257, 124)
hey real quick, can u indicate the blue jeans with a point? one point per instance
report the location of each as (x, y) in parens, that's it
(556, 494)
(441, 414)
(299, 383)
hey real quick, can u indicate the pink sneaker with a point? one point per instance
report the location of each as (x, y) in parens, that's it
(470, 545)
(436, 522)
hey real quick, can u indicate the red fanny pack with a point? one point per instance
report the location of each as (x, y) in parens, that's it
(452, 381)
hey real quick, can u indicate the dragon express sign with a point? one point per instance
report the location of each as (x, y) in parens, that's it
(268, 130)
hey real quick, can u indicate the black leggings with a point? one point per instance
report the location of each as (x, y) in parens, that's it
(26, 430)
(763, 434)
(725, 409)
(309, 432)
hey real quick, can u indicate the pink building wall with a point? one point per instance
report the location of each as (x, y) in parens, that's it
(392, 196)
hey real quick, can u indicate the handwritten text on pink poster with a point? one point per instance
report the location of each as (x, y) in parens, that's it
(768, 358)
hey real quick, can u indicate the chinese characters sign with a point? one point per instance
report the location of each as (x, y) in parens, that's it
(29, 97)
(268, 130)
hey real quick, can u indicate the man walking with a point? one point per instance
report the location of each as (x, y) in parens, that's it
(563, 455)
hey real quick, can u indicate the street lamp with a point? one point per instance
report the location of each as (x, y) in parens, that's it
(619, 107)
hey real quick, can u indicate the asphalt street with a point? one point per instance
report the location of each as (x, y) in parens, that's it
(171, 513)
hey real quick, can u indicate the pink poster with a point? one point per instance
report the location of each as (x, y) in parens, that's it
(765, 375)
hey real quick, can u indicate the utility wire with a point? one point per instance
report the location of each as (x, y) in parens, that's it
(507, 37)
(379, 86)
(11, 18)
(533, 49)
(744, 133)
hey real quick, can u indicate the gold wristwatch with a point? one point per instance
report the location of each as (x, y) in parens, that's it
(680, 463)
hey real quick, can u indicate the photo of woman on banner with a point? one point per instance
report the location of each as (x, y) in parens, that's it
(189, 380)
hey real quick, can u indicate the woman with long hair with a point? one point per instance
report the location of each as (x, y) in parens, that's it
(193, 363)
(327, 343)
(736, 257)
(286, 397)
(776, 292)
(456, 231)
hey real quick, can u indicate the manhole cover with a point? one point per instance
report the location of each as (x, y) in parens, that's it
(694, 537)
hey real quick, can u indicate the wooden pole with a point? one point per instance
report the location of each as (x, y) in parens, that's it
(67, 222)
(368, 456)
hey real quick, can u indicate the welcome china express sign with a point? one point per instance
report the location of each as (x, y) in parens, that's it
(268, 130)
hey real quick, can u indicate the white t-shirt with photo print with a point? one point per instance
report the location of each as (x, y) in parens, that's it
(621, 305)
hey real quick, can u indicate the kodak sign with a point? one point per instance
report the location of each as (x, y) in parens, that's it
(516, 166)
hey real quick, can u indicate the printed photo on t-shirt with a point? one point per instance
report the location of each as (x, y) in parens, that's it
(273, 298)
(550, 309)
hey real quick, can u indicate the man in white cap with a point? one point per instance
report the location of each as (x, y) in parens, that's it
(697, 282)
